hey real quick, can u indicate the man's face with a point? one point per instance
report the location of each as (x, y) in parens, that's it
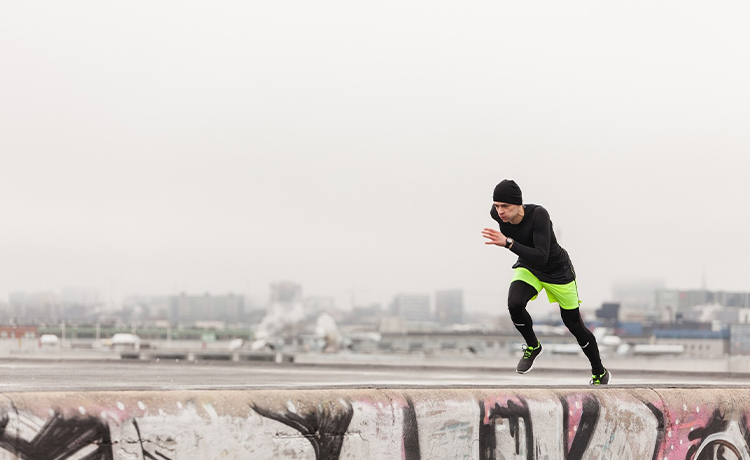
(506, 211)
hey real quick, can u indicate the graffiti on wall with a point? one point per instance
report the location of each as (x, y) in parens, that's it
(28, 437)
(545, 425)
(324, 426)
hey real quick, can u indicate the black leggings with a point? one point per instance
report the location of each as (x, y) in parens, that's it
(519, 295)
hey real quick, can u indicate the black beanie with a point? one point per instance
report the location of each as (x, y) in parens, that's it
(507, 191)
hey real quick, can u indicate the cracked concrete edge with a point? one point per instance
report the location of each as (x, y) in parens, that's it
(120, 406)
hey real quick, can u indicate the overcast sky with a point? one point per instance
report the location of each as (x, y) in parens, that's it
(156, 147)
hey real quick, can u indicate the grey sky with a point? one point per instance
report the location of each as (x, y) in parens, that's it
(163, 146)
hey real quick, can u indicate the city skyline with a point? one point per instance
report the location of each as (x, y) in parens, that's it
(638, 294)
(180, 147)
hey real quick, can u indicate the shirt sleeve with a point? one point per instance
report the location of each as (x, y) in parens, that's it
(542, 236)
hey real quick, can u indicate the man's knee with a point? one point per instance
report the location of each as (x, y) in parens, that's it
(517, 312)
(516, 306)
(574, 323)
(572, 320)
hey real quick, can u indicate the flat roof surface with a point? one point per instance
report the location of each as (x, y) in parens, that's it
(19, 375)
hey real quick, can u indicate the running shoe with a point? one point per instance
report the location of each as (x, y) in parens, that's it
(527, 360)
(602, 379)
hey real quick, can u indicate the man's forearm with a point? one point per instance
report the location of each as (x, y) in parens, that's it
(533, 255)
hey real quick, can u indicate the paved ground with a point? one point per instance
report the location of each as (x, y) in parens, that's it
(83, 375)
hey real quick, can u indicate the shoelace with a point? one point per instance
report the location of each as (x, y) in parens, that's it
(527, 351)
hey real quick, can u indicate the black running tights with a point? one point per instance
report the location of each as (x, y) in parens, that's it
(520, 293)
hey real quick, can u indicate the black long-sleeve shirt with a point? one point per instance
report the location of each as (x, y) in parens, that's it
(536, 246)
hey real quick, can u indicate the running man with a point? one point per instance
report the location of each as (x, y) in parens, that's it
(526, 230)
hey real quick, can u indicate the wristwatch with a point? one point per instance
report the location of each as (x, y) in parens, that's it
(508, 242)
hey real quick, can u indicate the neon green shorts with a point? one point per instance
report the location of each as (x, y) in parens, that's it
(566, 295)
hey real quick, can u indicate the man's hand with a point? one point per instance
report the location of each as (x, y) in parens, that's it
(494, 237)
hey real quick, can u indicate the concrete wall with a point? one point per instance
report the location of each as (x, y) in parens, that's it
(508, 424)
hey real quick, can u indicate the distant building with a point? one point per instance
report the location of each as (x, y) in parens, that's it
(286, 292)
(739, 339)
(697, 343)
(18, 332)
(79, 303)
(149, 305)
(609, 314)
(81, 296)
(43, 305)
(682, 300)
(732, 299)
(449, 306)
(370, 316)
(229, 308)
(733, 315)
(637, 299)
(650, 301)
(412, 307)
(393, 325)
